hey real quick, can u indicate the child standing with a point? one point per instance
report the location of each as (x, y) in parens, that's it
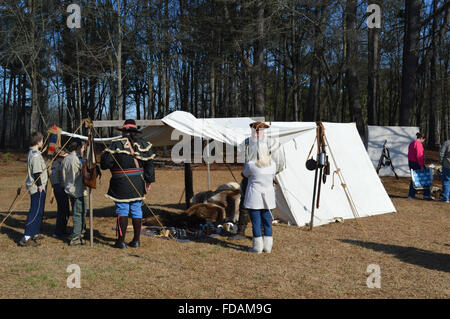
(75, 189)
(36, 184)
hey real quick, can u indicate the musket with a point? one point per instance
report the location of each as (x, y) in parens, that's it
(390, 162)
(380, 161)
(385, 154)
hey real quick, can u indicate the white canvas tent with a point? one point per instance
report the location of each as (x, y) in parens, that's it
(398, 139)
(364, 194)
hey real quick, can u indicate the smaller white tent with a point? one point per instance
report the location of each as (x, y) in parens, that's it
(398, 139)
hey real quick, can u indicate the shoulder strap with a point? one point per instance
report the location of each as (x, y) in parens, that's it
(132, 154)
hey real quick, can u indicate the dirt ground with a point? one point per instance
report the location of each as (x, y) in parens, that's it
(411, 248)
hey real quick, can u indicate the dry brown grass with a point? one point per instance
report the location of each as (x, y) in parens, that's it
(412, 247)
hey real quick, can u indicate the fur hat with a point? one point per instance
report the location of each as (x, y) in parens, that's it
(129, 126)
(259, 125)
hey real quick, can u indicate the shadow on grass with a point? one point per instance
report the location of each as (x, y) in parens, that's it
(423, 258)
(223, 243)
(216, 241)
(109, 211)
(397, 196)
(14, 227)
(12, 223)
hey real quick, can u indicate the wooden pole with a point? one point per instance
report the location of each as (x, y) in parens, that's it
(188, 184)
(91, 161)
(209, 176)
(311, 223)
(208, 165)
(91, 218)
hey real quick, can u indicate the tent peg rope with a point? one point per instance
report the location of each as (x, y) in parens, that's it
(346, 190)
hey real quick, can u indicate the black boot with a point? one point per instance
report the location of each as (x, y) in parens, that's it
(242, 225)
(135, 243)
(122, 224)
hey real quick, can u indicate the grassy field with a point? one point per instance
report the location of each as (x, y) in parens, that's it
(411, 247)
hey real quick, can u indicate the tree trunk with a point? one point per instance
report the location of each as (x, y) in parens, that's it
(150, 104)
(92, 89)
(137, 100)
(373, 67)
(310, 113)
(285, 83)
(295, 71)
(6, 120)
(165, 93)
(119, 92)
(21, 130)
(352, 61)
(34, 126)
(410, 60)
(212, 87)
(124, 95)
(258, 82)
(434, 103)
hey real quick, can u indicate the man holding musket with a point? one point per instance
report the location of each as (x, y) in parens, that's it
(130, 160)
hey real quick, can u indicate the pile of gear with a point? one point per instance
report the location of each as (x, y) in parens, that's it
(184, 235)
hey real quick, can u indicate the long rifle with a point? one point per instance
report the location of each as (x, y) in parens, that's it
(385, 159)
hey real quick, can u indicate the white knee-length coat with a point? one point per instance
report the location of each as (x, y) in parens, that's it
(260, 192)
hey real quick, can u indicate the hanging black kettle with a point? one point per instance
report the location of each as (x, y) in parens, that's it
(311, 164)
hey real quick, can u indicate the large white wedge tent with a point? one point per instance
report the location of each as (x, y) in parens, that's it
(397, 140)
(357, 190)
(353, 191)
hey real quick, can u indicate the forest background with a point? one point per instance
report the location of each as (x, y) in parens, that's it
(286, 60)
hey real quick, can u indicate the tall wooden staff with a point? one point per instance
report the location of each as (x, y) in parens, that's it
(92, 168)
(319, 169)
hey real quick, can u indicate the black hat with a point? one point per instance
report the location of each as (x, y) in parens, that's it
(129, 126)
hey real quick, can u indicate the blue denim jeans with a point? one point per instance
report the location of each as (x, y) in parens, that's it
(124, 209)
(261, 215)
(446, 183)
(412, 191)
(78, 216)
